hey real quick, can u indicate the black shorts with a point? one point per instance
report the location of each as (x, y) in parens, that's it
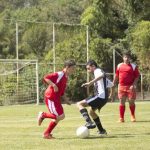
(96, 102)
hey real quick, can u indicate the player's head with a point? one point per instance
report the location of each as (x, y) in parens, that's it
(91, 65)
(69, 66)
(126, 57)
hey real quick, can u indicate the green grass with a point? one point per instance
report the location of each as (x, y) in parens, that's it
(19, 130)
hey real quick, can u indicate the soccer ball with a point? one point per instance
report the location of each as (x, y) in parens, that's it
(82, 132)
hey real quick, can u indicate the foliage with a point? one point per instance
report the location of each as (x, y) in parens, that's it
(115, 24)
(140, 43)
(100, 50)
(104, 19)
(72, 48)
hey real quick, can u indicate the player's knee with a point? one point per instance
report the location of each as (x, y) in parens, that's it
(59, 118)
(78, 104)
(122, 102)
(131, 102)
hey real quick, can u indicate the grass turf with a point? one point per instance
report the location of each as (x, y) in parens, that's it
(19, 130)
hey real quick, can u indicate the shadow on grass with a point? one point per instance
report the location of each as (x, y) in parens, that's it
(132, 135)
(144, 121)
(101, 137)
(106, 137)
(97, 137)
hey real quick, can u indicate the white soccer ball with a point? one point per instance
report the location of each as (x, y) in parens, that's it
(82, 132)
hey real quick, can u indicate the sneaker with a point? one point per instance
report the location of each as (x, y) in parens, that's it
(40, 119)
(48, 136)
(121, 120)
(102, 133)
(133, 119)
(90, 125)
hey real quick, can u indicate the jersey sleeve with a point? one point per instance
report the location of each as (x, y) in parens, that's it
(98, 72)
(53, 77)
(109, 83)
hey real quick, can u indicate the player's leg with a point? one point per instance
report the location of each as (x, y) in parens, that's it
(51, 126)
(122, 109)
(132, 97)
(101, 130)
(56, 109)
(43, 115)
(82, 107)
(122, 95)
(98, 103)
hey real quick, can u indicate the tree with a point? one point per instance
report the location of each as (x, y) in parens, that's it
(140, 43)
(136, 10)
(105, 19)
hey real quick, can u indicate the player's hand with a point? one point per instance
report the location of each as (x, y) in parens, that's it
(132, 87)
(85, 84)
(55, 88)
(110, 96)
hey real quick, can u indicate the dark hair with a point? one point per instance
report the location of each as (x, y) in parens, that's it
(69, 63)
(91, 63)
(127, 54)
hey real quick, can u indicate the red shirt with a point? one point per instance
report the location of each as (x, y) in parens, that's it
(127, 73)
(60, 79)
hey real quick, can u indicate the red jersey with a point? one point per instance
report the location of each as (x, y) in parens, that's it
(127, 73)
(60, 79)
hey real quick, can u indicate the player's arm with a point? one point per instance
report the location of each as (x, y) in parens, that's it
(49, 79)
(93, 81)
(136, 74)
(112, 89)
(110, 85)
(116, 79)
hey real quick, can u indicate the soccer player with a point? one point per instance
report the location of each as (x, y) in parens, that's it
(56, 87)
(127, 74)
(101, 83)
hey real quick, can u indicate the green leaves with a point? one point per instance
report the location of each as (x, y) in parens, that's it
(140, 42)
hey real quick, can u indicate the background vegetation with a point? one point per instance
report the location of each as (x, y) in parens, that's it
(123, 25)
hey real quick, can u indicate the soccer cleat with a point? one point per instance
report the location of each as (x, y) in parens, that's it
(102, 133)
(121, 120)
(40, 118)
(133, 119)
(48, 136)
(90, 125)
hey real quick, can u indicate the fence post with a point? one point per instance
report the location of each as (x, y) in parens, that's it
(142, 94)
(54, 53)
(114, 63)
(87, 50)
(37, 82)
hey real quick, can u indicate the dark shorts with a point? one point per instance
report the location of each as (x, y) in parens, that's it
(96, 102)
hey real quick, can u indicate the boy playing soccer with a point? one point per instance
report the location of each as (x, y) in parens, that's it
(56, 87)
(127, 74)
(101, 83)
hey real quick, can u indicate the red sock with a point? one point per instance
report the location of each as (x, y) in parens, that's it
(122, 110)
(48, 115)
(132, 109)
(50, 128)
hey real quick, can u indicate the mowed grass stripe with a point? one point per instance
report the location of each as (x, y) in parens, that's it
(19, 130)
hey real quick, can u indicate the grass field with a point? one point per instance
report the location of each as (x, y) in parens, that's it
(19, 130)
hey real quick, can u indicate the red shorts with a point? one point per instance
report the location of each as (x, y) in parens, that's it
(54, 107)
(124, 91)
